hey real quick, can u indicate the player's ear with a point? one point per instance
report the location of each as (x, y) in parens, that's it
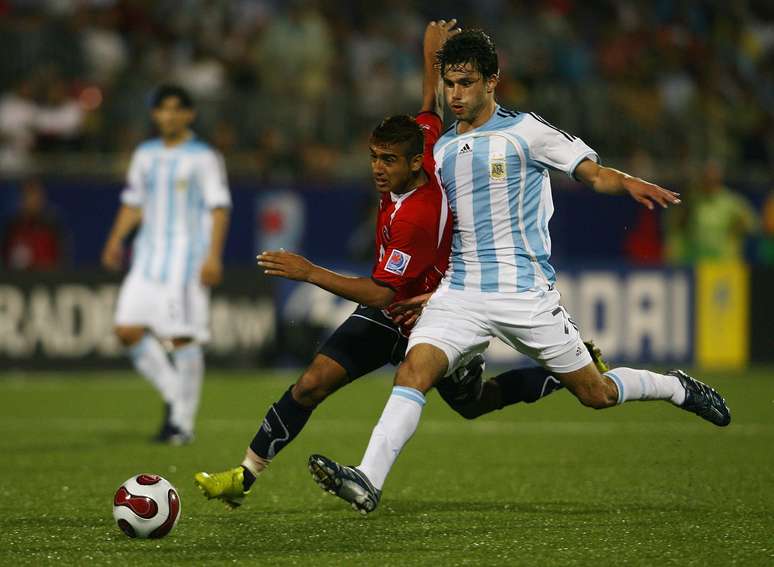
(416, 163)
(491, 82)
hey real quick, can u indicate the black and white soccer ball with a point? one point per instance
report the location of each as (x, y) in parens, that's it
(146, 506)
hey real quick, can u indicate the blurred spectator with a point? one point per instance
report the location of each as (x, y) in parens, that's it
(685, 79)
(643, 241)
(33, 238)
(18, 112)
(59, 119)
(719, 221)
(104, 49)
(766, 246)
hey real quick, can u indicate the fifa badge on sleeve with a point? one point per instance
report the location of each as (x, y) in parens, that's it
(397, 262)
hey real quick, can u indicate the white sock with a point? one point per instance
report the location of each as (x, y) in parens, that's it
(189, 361)
(151, 361)
(634, 384)
(397, 424)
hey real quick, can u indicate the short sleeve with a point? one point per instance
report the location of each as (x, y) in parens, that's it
(133, 194)
(553, 147)
(410, 253)
(431, 125)
(214, 180)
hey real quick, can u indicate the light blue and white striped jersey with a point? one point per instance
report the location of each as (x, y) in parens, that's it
(176, 187)
(496, 179)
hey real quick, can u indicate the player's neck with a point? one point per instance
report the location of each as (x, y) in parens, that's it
(177, 139)
(480, 119)
(415, 182)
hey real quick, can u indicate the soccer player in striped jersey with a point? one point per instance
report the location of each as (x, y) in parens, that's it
(413, 239)
(493, 164)
(178, 196)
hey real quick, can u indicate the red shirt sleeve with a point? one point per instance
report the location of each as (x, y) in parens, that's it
(431, 125)
(411, 252)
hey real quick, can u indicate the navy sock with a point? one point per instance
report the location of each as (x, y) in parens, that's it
(249, 478)
(284, 420)
(525, 385)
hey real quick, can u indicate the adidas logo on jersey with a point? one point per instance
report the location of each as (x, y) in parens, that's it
(465, 150)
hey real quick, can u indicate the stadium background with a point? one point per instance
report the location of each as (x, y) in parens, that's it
(288, 91)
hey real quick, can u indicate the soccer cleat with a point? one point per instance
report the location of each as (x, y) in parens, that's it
(703, 400)
(596, 357)
(226, 486)
(178, 438)
(348, 483)
(465, 384)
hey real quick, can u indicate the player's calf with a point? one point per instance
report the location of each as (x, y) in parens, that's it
(422, 368)
(592, 389)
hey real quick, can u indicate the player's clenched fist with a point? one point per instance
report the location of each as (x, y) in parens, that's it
(112, 255)
(212, 271)
(285, 264)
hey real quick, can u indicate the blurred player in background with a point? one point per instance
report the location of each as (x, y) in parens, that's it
(177, 193)
(413, 240)
(493, 165)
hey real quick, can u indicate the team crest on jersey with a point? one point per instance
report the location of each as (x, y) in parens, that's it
(497, 169)
(397, 262)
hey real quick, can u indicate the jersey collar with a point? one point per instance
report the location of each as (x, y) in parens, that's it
(477, 128)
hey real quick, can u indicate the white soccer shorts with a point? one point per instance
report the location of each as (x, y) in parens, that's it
(461, 324)
(168, 310)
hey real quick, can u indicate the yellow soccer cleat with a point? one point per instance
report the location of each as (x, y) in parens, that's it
(596, 356)
(227, 486)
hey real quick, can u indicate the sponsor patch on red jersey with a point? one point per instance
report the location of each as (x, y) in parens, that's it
(397, 262)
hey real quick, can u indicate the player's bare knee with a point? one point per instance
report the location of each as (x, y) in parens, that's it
(310, 390)
(129, 335)
(410, 376)
(313, 387)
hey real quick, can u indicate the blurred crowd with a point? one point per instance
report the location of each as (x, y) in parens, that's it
(678, 91)
(291, 88)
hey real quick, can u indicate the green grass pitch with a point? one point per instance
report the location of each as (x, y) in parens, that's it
(551, 483)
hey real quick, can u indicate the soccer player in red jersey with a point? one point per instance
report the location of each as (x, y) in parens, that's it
(413, 242)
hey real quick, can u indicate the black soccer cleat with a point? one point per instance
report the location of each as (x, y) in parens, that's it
(464, 385)
(348, 483)
(703, 400)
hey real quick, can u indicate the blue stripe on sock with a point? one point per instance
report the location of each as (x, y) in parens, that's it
(410, 394)
(618, 383)
(188, 351)
(136, 350)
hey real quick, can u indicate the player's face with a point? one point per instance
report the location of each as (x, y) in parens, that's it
(172, 118)
(392, 170)
(467, 92)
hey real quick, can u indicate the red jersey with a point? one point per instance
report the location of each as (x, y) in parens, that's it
(413, 230)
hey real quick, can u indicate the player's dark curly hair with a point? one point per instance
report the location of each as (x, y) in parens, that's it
(470, 46)
(165, 91)
(400, 129)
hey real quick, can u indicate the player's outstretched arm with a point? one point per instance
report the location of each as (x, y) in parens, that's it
(364, 291)
(126, 220)
(436, 34)
(608, 180)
